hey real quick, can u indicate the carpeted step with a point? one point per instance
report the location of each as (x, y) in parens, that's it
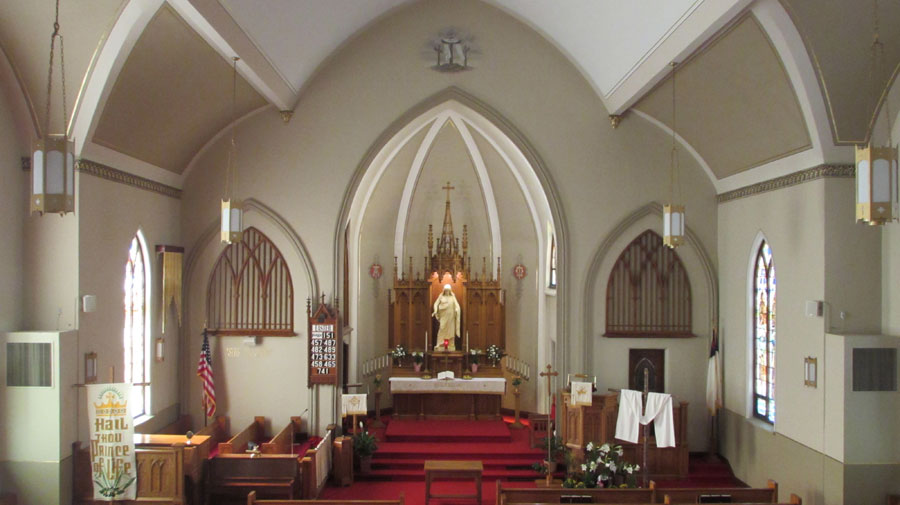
(461, 431)
(419, 475)
(418, 463)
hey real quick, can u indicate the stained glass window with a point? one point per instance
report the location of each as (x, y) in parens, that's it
(764, 335)
(135, 335)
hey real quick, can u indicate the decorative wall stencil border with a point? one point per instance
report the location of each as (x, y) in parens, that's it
(113, 174)
(810, 174)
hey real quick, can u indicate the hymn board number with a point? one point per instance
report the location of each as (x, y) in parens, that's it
(324, 344)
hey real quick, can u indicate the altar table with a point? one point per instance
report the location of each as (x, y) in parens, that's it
(477, 398)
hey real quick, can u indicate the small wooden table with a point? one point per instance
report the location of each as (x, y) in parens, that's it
(453, 470)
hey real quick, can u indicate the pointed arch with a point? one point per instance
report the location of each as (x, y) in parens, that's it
(762, 295)
(136, 333)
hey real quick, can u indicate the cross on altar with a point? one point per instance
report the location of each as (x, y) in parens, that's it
(448, 187)
(549, 374)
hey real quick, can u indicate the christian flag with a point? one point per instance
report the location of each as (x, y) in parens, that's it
(205, 372)
(714, 377)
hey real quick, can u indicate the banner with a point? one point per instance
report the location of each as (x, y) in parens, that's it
(353, 405)
(582, 394)
(114, 471)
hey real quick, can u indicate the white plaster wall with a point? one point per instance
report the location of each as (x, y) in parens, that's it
(110, 214)
(890, 289)
(13, 205)
(302, 169)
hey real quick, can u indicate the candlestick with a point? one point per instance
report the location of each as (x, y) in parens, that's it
(467, 341)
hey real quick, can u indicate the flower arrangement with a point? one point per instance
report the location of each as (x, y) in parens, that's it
(377, 382)
(604, 466)
(474, 354)
(517, 381)
(494, 353)
(364, 443)
(398, 352)
(418, 357)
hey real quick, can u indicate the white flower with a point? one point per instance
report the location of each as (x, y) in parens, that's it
(583, 468)
(554, 433)
(637, 468)
(612, 466)
(590, 446)
(628, 469)
(604, 448)
(593, 466)
(619, 451)
(602, 477)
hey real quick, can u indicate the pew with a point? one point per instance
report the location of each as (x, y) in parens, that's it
(239, 442)
(235, 475)
(283, 441)
(251, 500)
(316, 465)
(160, 476)
(509, 495)
(768, 494)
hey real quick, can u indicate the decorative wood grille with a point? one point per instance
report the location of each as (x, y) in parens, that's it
(250, 290)
(648, 294)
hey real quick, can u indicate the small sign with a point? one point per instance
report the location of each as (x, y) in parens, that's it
(324, 346)
(519, 271)
(113, 467)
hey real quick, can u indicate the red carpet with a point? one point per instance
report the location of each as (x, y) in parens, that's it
(399, 430)
(398, 466)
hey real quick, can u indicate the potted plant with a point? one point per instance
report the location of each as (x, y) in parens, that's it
(494, 353)
(364, 445)
(473, 358)
(418, 358)
(604, 466)
(558, 451)
(398, 353)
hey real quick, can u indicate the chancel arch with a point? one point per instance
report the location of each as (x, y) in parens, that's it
(495, 192)
(688, 356)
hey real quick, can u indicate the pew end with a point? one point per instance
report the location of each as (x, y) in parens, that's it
(239, 442)
(796, 500)
(771, 484)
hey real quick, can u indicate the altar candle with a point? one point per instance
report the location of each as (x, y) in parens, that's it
(426, 340)
(467, 341)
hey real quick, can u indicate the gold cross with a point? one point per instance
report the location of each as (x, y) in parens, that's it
(448, 187)
(549, 374)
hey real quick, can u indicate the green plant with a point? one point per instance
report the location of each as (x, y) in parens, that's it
(398, 352)
(418, 357)
(377, 381)
(474, 355)
(539, 467)
(517, 381)
(364, 444)
(558, 449)
(494, 353)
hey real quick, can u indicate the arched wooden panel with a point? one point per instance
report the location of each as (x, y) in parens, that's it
(250, 290)
(648, 293)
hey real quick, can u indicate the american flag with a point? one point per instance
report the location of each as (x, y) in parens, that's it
(205, 372)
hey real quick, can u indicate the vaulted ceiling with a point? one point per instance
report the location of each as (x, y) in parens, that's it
(759, 80)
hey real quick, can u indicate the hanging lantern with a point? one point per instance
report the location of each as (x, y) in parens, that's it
(53, 156)
(673, 225)
(232, 221)
(53, 175)
(876, 184)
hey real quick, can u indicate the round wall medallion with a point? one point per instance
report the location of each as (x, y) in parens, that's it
(375, 270)
(519, 271)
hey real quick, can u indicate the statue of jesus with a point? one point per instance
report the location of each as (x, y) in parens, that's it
(447, 312)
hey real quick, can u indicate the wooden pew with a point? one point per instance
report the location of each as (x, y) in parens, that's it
(768, 494)
(316, 465)
(283, 441)
(509, 495)
(160, 477)
(251, 500)
(239, 442)
(235, 475)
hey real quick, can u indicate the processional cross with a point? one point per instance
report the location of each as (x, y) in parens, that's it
(549, 374)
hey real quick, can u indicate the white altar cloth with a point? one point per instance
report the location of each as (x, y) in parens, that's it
(485, 385)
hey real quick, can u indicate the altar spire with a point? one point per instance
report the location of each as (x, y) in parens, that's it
(446, 245)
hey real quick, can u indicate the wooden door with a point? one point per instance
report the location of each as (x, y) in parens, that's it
(654, 360)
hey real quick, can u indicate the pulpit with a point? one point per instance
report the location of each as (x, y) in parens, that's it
(597, 423)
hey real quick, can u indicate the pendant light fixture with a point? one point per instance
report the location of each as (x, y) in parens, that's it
(673, 213)
(232, 211)
(876, 167)
(53, 155)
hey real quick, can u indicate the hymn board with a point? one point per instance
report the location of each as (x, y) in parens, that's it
(324, 344)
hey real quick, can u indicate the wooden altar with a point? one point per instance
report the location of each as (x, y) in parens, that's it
(481, 300)
(477, 398)
(597, 424)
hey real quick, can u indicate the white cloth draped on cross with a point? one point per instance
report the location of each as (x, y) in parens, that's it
(659, 410)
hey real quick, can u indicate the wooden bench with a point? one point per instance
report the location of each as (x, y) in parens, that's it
(443, 469)
(251, 500)
(509, 495)
(240, 441)
(283, 441)
(768, 494)
(235, 475)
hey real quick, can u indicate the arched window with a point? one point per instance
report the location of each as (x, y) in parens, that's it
(136, 338)
(763, 291)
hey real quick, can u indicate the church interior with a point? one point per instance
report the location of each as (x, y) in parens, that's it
(477, 234)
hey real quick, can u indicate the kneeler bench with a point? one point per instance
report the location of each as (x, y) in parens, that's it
(441, 469)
